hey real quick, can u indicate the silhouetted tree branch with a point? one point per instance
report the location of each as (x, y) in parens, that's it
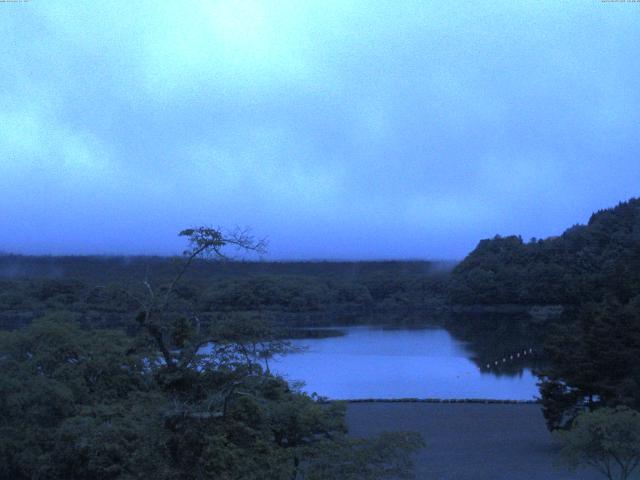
(204, 242)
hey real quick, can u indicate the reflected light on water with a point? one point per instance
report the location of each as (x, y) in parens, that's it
(376, 363)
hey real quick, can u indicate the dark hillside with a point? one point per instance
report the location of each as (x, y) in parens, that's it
(586, 263)
(592, 352)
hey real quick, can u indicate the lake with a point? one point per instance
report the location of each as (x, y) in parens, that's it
(371, 362)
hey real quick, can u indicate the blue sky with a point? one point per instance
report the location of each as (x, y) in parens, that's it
(336, 129)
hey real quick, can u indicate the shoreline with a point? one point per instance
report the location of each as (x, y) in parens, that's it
(436, 400)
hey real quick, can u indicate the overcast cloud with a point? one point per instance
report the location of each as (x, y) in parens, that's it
(337, 129)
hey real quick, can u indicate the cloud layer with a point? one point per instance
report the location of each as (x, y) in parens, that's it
(337, 129)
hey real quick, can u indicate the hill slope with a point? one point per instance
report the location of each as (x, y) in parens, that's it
(586, 263)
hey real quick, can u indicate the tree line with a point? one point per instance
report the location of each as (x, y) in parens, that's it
(93, 289)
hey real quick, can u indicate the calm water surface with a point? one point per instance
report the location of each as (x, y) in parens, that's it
(371, 362)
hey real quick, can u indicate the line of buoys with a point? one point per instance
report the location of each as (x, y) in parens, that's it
(515, 356)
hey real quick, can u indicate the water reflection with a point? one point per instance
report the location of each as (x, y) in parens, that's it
(371, 362)
(495, 338)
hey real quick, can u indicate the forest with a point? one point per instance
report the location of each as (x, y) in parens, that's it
(103, 375)
(95, 289)
(81, 401)
(586, 263)
(593, 270)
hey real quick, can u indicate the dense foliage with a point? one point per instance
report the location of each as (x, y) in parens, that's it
(177, 398)
(289, 293)
(593, 349)
(98, 404)
(586, 263)
(607, 439)
(593, 361)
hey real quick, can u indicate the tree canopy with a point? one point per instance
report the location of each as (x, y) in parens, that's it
(607, 439)
(586, 263)
(175, 400)
(594, 269)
